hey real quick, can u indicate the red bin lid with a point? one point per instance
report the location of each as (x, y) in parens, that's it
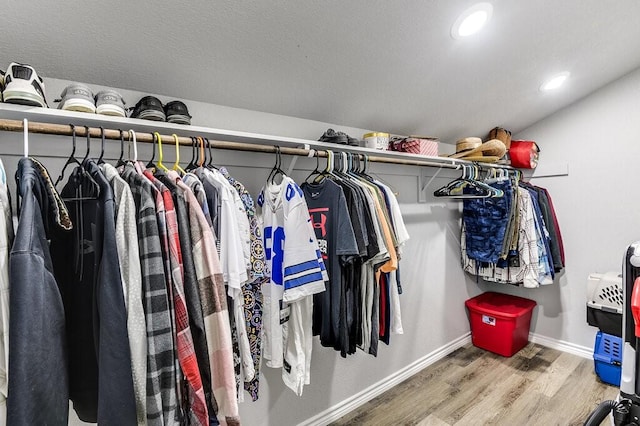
(500, 304)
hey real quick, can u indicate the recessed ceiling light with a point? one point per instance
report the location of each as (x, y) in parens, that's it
(471, 20)
(555, 82)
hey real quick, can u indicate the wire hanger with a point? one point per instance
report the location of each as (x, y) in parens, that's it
(121, 159)
(160, 165)
(100, 160)
(176, 165)
(72, 159)
(151, 164)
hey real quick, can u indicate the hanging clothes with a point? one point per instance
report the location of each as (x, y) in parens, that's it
(196, 408)
(192, 294)
(99, 354)
(334, 232)
(214, 306)
(6, 241)
(161, 374)
(252, 289)
(529, 253)
(38, 380)
(233, 248)
(296, 272)
(131, 275)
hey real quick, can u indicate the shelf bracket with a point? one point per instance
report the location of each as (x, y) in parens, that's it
(422, 185)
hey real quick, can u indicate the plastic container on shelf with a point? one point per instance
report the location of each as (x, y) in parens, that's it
(500, 322)
(607, 358)
(376, 140)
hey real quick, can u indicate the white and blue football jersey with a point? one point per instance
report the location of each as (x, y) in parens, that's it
(296, 271)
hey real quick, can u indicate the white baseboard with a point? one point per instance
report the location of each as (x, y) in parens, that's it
(561, 345)
(334, 413)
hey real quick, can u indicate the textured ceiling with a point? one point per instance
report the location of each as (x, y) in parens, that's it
(385, 65)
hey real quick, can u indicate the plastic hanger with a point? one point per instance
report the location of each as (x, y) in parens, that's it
(210, 162)
(132, 138)
(88, 134)
(25, 137)
(121, 159)
(201, 153)
(192, 164)
(315, 171)
(160, 165)
(176, 165)
(455, 188)
(93, 191)
(151, 164)
(100, 160)
(276, 170)
(72, 159)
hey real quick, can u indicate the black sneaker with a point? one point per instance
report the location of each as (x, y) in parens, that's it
(177, 112)
(22, 85)
(149, 108)
(332, 136)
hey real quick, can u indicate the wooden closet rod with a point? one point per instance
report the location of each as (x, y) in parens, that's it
(96, 132)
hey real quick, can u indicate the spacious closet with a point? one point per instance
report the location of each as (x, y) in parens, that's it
(587, 139)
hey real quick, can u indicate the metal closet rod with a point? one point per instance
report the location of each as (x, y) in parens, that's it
(66, 130)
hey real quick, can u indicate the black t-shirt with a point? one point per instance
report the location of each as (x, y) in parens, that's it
(334, 232)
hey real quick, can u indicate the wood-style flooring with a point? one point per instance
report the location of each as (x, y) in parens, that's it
(537, 386)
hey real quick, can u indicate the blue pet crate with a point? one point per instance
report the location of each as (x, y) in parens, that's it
(607, 357)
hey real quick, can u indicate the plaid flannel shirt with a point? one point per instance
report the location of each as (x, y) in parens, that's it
(197, 409)
(161, 374)
(214, 307)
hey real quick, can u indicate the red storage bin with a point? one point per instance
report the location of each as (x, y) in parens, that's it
(500, 322)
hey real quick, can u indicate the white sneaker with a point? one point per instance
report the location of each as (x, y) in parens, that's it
(23, 86)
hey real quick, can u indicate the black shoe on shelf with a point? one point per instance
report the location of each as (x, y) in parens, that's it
(149, 108)
(332, 136)
(177, 113)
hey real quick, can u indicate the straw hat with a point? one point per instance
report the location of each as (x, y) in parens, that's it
(473, 149)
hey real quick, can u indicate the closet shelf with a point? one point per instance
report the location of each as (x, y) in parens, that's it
(58, 122)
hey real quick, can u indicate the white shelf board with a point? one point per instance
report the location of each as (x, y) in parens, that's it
(56, 116)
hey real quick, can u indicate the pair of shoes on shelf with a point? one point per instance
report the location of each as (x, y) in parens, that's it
(22, 85)
(341, 138)
(150, 108)
(79, 97)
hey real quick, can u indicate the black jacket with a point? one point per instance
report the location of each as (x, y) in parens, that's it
(87, 266)
(39, 387)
